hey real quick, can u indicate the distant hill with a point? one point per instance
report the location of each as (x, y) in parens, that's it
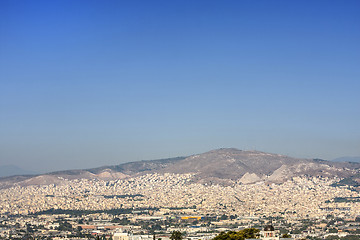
(220, 166)
(11, 170)
(253, 166)
(120, 171)
(347, 159)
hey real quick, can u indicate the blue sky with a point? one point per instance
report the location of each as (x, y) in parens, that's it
(91, 83)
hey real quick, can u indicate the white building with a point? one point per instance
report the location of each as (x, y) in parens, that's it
(269, 233)
(121, 236)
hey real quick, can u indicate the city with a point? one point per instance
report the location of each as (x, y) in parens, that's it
(179, 120)
(162, 203)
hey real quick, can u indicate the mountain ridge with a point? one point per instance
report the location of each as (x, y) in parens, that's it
(219, 166)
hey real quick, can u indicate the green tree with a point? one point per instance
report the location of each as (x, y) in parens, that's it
(176, 235)
(285, 235)
(240, 235)
(350, 237)
(332, 237)
(223, 217)
(250, 233)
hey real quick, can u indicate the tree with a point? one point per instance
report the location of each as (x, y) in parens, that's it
(250, 233)
(285, 235)
(223, 217)
(176, 235)
(332, 237)
(240, 235)
(64, 226)
(350, 237)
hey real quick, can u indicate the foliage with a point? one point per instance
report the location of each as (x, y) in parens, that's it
(176, 235)
(347, 199)
(223, 217)
(123, 221)
(115, 211)
(296, 231)
(332, 237)
(64, 226)
(123, 196)
(240, 235)
(286, 235)
(350, 181)
(351, 237)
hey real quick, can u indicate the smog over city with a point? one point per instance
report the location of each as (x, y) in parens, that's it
(171, 120)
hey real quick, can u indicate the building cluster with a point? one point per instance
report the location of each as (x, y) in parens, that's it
(300, 197)
(158, 204)
(147, 226)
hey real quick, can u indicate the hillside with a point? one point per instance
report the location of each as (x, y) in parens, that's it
(221, 166)
(253, 166)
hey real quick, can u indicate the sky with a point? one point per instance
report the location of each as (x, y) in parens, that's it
(91, 83)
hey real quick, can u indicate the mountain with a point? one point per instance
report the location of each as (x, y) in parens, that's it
(253, 166)
(221, 166)
(11, 170)
(120, 171)
(347, 159)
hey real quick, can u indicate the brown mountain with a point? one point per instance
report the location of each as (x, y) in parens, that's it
(253, 166)
(222, 166)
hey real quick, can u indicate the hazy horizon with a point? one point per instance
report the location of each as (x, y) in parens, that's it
(90, 83)
(20, 170)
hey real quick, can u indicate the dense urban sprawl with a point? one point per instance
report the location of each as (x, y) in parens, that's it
(169, 200)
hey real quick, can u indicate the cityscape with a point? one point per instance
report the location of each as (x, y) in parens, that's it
(179, 120)
(155, 204)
